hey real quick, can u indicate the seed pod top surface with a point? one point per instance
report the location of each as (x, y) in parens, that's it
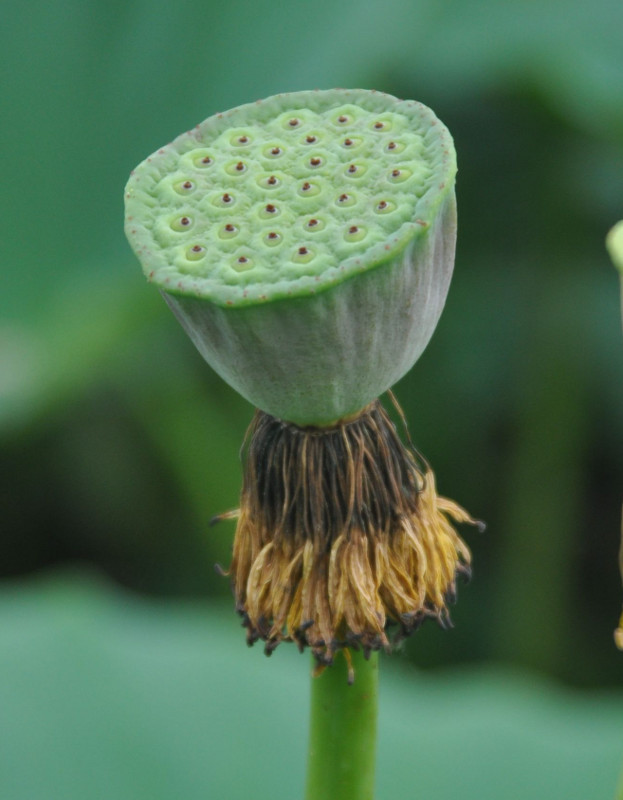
(288, 196)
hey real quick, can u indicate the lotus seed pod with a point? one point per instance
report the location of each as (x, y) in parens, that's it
(305, 242)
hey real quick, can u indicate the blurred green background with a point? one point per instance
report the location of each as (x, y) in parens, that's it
(119, 443)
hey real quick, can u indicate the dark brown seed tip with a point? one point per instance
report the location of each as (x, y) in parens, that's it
(293, 122)
(197, 248)
(275, 151)
(243, 139)
(306, 186)
(240, 166)
(310, 139)
(242, 260)
(395, 173)
(342, 119)
(226, 198)
(352, 168)
(348, 142)
(229, 227)
(312, 223)
(270, 208)
(353, 229)
(391, 146)
(206, 160)
(315, 161)
(272, 180)
(187, 185)
(379, 125)
(184, 221)
(303, 251)
(343, 198)
(382, 204)
(273, 235)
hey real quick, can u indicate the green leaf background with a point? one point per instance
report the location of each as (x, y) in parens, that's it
(117, 443)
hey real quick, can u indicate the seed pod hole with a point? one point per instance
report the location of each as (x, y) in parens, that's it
(345, 199)
(225, 200)
(308, 189)
(195, 253)
(203, 161)
(311, 138)
(399, 175)
(314, 224)
(269, 211)
(273, 151)
(268, 182)
(394, 147)
(228, 231)
(242, 263)
(294, 122)
(272, 238)
(184, 187)
(315, 161)
(342, 119)
(381, 125)
(184, 223)
(241, 140)
(303, 255)
(355, 233)
(351, 142)
(355, 170)
(236, 168)
(384, 207)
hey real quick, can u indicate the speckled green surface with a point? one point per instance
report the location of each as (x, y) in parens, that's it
(289, 195)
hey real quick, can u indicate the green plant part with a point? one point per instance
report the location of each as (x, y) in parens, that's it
(306, 244)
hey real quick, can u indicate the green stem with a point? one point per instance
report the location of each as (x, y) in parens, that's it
(342, 741)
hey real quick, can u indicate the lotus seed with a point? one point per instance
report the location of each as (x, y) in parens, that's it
(228, 231)
(195, 253)
(315, 162)
(272, 238)
(310, 139)
(269, 211)
(399, 175)
(242, 264)
(345, 200)
(181, 224)
(385, 207)
(303, 255)
(203, 161)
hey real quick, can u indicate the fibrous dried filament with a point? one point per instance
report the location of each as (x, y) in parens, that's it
(340, 536)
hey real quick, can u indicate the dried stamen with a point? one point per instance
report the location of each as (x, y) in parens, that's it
(341, 534)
